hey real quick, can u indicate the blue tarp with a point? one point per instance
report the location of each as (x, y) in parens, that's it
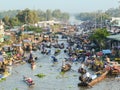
(106, 51)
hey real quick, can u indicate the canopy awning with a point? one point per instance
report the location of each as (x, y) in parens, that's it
(26, 40)
(17, 45)
(114, 37)
(107, 51)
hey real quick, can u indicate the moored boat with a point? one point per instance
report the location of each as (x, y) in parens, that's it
(57, 52)
(94, 81)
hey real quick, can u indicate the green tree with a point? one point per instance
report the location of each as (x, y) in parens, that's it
(6, 20)
(41, 15)
(48, 15)
(65, 17)
(32, 28)
(27, 16)
(14, 22)
(100, 35)
(92, 16)
(56, 14)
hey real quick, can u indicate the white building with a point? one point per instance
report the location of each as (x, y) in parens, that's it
(47, 23)
(117, 20)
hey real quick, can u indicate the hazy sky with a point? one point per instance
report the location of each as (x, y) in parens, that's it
(72, 6)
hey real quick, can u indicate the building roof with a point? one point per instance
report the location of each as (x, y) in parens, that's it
(114, 37)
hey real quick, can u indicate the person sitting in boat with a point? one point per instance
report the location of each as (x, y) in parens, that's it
(48, 52)
(81, 78)
(87, 77)
(54, 59)
(107, 59)
(82, 70)
(18, 56)
(115, 67)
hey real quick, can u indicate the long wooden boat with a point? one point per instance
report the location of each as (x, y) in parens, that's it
(94, 81)
(25, 79)
(65, 68)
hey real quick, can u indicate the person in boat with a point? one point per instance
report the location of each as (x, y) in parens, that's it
(49, 52)
(63, 64)
(107, 59)
(66, 63)
(31, 55)
(87, 77)
(114, 67)
(82, 70)
(32, 62)
(54, 59)
(81, 78)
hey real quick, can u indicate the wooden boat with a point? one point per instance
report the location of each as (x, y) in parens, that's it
(57, 52)
(34, 49)
(26, 80)
(65, 68)
(94, 81)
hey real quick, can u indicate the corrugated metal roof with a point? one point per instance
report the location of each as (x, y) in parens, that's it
(114, 37)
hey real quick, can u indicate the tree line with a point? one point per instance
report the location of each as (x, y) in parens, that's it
(98, 15)
(27, 16)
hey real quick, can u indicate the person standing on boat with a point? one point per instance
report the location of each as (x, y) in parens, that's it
(107, 59)
(54, 59)
(31, 56)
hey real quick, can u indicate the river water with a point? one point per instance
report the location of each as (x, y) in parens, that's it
(53, 79)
